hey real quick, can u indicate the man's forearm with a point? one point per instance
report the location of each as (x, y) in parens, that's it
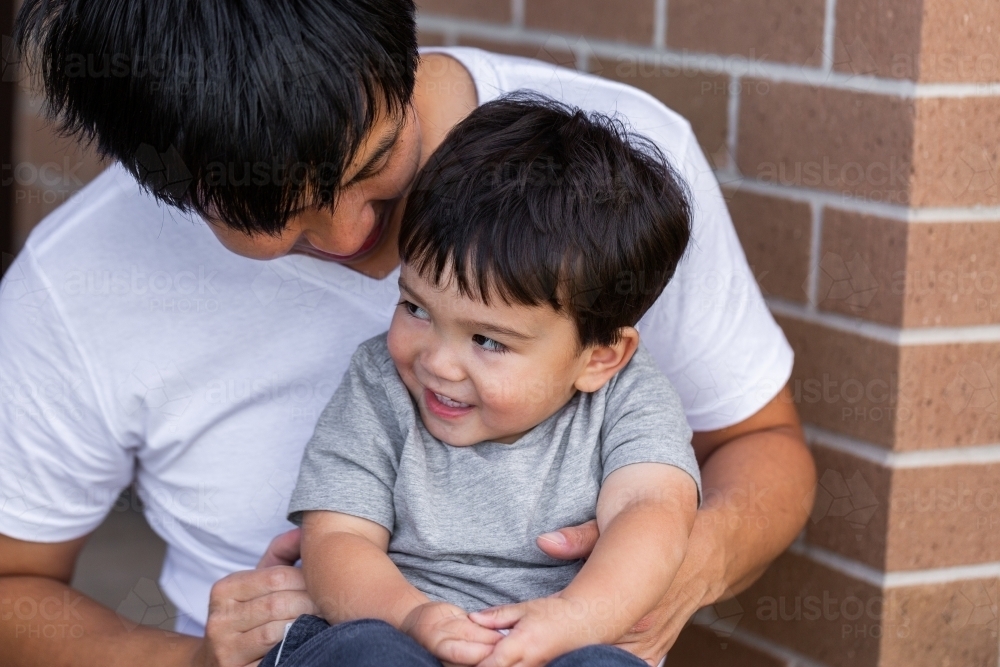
(45, 622)
(758, 491)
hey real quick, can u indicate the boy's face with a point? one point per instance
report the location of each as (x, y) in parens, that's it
(481, 372)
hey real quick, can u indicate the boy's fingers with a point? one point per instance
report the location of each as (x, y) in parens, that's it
(463, 652)
(501, 656)
(473, 632)
(498, 617)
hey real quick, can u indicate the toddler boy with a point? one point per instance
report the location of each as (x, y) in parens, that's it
(510, 398)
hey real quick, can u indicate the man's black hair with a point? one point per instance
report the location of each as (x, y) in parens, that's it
(245, 109)
(534, 202)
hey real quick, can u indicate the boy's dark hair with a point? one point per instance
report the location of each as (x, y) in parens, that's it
(246, 110)
(534, 202)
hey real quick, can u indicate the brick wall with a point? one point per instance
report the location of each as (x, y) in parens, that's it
(857, 142)
(46, 168)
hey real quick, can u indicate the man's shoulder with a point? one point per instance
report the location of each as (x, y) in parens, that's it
(497, 74)
(109, 219)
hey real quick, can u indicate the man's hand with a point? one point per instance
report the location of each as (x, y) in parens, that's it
(540, 631)
(446, 631)
(248, 611)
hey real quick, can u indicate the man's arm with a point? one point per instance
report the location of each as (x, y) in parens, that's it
(758, 482)
(45, 622)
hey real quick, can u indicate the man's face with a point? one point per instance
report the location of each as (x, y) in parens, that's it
(361, 230)
(480, 372)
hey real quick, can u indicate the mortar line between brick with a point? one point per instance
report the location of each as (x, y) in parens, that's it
(733, 122)
(660, 24)
(517, 13)
(773, 649)
(926, 458)
(899, 579)
(986, 333)
(926, 214)
(829, 29)
(716, 63)
(815, 243)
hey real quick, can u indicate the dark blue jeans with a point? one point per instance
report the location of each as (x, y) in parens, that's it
(312, 642)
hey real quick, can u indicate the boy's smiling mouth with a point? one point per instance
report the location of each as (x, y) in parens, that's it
(445, 407)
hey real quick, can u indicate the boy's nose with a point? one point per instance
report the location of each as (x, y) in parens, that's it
(442, 363)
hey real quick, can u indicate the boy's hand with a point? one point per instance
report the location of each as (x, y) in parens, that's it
(542, 630)
(446, 631)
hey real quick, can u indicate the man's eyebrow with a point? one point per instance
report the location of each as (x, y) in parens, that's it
(383, 147)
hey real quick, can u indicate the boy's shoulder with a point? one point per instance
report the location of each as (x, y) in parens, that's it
(375, 374)
(374, 354)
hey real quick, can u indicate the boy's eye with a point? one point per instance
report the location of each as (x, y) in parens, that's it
(488, 344)
(416, 311)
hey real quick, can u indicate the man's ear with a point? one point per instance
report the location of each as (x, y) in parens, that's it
(603, 361)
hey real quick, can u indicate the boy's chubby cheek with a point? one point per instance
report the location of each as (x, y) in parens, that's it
(520, 395)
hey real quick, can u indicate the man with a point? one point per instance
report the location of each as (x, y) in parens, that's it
(142, 337)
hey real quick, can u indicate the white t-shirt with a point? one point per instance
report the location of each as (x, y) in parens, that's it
(134, 346)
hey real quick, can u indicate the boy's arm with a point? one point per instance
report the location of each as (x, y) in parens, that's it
(350, 576)
(348, 573)
(645, 513)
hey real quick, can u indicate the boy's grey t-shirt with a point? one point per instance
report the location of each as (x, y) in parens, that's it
(464, 519)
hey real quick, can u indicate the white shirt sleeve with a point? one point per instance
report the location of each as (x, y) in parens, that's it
(61, 469)
(710, 331)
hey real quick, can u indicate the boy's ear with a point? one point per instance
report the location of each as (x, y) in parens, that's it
(605, 360)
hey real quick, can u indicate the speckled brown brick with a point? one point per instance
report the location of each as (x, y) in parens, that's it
(844, 622)
(905, 518)
(775, 234)
(852, 510)
(788, 31)
(878, 38)
(855, 144)
(803, 605)
(698, 646)
(846, 383)
(68, 167)
(701, 98)
(549, 52)
(862, 266)
(952, 274)
(949, 395)
(483, 10)
(622, 20)
(425, 38)
(944, 516)
(960, 41)
(941, 624)
(956, 155)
